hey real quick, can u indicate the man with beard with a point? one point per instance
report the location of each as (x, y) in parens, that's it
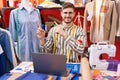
(66, 38)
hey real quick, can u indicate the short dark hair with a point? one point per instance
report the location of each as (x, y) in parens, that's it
(68, 5)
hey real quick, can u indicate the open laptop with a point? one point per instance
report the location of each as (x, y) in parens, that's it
(50, 64)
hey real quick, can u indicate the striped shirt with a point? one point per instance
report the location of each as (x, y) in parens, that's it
(75, 43)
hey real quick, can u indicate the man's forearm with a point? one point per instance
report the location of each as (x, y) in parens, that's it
(65, 36)
(42, 41)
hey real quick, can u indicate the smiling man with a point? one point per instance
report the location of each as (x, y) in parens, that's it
(66, 38)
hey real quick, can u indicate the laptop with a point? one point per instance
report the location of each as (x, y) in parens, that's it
(51, 64)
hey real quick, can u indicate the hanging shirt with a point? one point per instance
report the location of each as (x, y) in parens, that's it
(75, 43)
(107, 18)
(97, 32)
(27, 26)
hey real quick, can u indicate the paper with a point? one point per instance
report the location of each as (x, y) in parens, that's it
(23, 67)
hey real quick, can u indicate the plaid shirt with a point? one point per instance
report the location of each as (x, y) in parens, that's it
(75, 43)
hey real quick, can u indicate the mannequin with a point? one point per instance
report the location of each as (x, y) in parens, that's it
(103, 17)
(26, 4)
(118, 27)
(23, 24)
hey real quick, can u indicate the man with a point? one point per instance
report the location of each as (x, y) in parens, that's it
(66, 38)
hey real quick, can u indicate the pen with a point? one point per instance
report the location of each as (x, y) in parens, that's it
(76, 75)
(55, 23)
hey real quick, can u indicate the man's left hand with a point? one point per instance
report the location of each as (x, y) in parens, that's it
(59, 30)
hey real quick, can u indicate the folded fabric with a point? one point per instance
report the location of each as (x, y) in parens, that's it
(75, 69)
(112, 65)
(5, 76)
(32, 76)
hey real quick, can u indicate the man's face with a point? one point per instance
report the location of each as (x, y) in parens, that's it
(68, 15)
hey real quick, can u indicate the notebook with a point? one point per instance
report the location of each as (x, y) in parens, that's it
(48, 63)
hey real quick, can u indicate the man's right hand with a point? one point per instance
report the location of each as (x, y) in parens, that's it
(41, 35)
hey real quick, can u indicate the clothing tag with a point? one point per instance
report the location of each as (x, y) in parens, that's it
(1, 50)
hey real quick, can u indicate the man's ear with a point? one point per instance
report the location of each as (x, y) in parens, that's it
(61, 13)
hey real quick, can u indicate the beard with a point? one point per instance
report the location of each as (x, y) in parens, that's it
(68, 20)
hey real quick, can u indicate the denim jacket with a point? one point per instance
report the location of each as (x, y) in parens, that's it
(6, 58)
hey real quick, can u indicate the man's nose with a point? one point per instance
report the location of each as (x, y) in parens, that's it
(67, 14)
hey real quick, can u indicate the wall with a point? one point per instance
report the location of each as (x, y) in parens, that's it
(44, 14)
(2, 3)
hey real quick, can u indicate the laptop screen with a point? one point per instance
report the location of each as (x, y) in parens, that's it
(49, 63)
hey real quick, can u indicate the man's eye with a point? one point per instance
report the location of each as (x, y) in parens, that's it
(65, 12)
(68, 12)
